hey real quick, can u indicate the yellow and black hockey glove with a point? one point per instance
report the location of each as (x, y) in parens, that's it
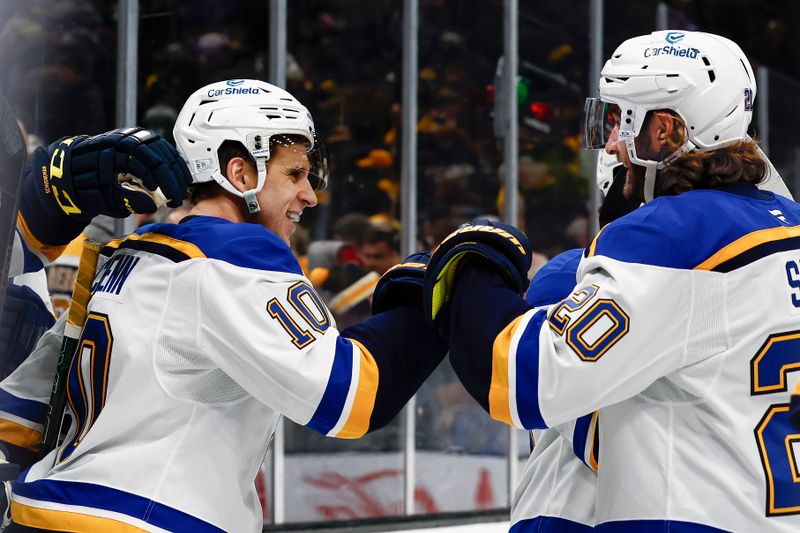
(502, 246)
(116, 173)
(401, 285)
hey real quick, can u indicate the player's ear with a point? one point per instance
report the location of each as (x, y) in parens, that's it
(664, 125)
(240, 174)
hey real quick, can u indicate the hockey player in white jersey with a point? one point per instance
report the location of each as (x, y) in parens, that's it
(65, 186)
(682, 327)
(557, 486)
(201, 334)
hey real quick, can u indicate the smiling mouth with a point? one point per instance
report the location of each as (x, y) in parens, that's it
(294, 217)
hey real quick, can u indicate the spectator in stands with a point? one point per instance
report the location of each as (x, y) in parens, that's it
(381, 248)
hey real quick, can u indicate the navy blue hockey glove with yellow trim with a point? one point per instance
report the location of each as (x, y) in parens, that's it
(401, 285)
(25, 318)
(503, 246)
(117, 173)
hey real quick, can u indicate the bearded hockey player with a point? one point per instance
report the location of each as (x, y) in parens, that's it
(681, 327)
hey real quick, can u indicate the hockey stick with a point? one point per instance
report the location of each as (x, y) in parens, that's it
(81, 293)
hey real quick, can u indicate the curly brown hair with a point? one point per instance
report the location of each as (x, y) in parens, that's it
(734, 164)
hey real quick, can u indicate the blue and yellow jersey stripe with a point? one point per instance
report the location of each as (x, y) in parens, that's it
(364, 401)
(237, 243)
(36, 253)
(19, 435)
(33, 507)
(752, 247)
(333, 411)
(196, 237)
(585, 440)
(514, 388)
(164, 245)
(21, 421)
(684, 231)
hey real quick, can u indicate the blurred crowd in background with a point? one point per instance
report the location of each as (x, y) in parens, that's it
(344, 64)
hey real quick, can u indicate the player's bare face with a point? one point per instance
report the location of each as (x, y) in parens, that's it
(287, 190)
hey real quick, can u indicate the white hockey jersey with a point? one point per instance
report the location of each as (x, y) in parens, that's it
(558, 485)
(684, 332)
(198, 336)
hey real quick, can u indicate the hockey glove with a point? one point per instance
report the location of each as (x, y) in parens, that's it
(116, 173)
(25, 318)
(503, 246)
(401, 285)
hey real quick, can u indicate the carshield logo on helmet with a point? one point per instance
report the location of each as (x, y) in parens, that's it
(227, 91)
(674, 37)
(668, 50)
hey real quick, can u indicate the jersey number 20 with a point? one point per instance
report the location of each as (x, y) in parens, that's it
(777, 439)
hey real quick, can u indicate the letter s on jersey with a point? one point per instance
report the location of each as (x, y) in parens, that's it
(596, 330)
(793, 278)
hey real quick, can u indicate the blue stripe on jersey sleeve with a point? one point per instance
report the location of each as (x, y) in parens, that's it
(579, 437)
(527, 387)
(100, 497)
(555, 280)
(238, 243)
(549, 524)
(683, 231)
(331, 405)
(30, 410)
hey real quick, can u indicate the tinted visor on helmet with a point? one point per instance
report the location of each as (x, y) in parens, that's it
(599, 119)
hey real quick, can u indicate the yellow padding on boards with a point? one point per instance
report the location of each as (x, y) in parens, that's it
(66, 521)
(368, 378)
(19, 435)
(499, 407)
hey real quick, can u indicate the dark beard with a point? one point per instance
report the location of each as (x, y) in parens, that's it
(634, 183)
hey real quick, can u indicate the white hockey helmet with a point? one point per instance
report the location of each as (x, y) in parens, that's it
(253, 113)
(704, 78)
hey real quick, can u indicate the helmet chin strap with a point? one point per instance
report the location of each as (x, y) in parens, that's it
(251, 201)
(652, 166)
(250, 196)
(650, 179)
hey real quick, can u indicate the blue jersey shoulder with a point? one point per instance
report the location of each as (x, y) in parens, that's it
(238, 243)
(555, 280)
(684, 231)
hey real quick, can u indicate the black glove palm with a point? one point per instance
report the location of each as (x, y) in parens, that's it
(401, 285)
